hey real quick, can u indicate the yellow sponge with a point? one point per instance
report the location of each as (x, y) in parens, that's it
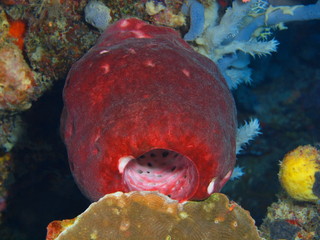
(300, 173)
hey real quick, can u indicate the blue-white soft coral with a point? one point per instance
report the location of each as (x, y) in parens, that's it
(195, 10)
(237, 173)
(240, 33)
(247, 132)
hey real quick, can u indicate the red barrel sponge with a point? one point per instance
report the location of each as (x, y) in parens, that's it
(144, 111)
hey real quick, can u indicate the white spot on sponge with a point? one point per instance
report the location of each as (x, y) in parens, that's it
(106, 68)
(104, 51)
(186, 72)
(124, 24)
(149, 63)
(140, 34)
(210, 188)
(123, 161)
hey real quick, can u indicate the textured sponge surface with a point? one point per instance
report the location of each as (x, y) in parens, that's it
(298, 172)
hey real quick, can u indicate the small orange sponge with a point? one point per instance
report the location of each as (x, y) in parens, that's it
(17, 30)
(300, 173)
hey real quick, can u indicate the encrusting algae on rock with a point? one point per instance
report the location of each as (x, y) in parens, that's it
(151, 215)
(292, 220)
(18, 85)
(38, 43)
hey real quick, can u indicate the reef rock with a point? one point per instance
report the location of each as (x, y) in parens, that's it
(290, 219)
(17, 81)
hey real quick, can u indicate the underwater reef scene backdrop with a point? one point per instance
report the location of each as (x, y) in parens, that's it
(159, 119)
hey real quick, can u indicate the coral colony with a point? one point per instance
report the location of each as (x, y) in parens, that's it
(148, 150)
(153, 216)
